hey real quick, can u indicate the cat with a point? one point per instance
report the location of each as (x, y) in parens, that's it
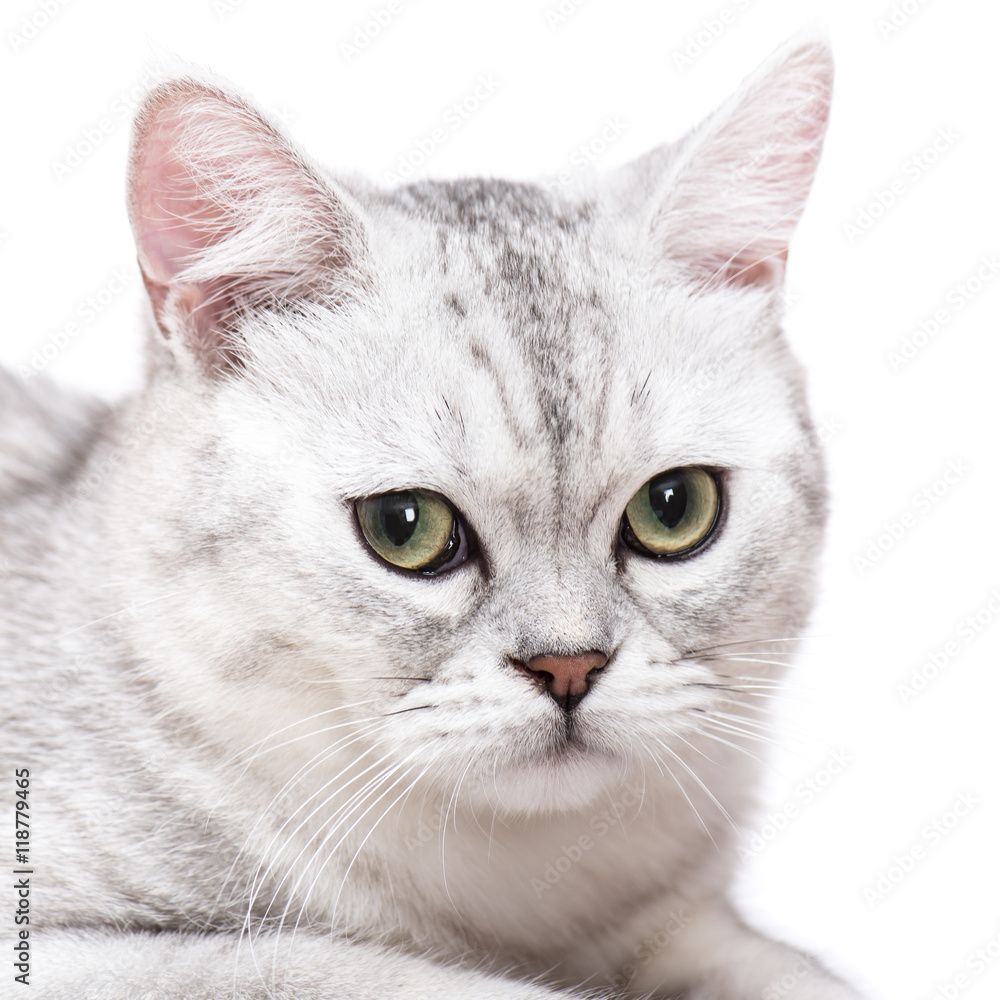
(409, 632)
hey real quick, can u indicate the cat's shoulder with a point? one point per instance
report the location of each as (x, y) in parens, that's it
(45, 434)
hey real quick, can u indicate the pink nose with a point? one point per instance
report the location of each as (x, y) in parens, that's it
(566, 678)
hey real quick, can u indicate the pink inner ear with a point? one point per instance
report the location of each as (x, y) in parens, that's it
(174, 222)
(227, 216)
(738, 194)
(747, 269)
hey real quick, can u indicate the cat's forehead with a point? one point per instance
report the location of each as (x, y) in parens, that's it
(545, 318)
(512, 250)
(508, 299)
(521, 353)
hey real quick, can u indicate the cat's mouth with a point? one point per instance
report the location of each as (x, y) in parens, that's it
(567, 740)
(562, 770)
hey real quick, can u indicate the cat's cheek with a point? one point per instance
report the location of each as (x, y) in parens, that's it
(407, 613)
(672, 596)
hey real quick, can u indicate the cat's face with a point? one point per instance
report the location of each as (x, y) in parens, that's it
(484, 425)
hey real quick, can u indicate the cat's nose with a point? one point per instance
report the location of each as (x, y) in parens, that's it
(566, 678)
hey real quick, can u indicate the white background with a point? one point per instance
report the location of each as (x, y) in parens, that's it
(894, 433)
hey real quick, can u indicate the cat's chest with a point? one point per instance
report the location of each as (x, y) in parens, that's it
(454, 882)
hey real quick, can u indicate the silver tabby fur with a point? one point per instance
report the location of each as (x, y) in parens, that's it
(266, 765)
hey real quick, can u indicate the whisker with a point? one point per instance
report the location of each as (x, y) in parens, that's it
(359, 680)
(697, 750)
(130, 608)
(444, 830)
(318, 759)
(292, 725)
(261, 874)
(747, 658)
(701, 784)
(735, 746)
(736, 731)
(694, 808)
(741, 642)
(373, 785)
(717, 713)
(332, 852)
(303, 736)
(345, 807)
(289, 867)
(402, 795)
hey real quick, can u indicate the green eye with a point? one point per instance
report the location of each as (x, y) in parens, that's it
(673, 513)
(412, 529)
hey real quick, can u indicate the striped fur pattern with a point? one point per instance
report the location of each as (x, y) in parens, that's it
(265, 764)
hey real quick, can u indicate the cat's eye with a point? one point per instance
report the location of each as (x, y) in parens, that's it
(413, 529)
(673, 513)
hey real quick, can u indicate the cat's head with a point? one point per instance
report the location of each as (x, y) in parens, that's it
(502, 470)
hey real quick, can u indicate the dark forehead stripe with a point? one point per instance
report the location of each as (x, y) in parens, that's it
(518, 237)
(497, 206)
(524, 243)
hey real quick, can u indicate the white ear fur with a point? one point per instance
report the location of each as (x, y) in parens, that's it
(228, 215)
(739, 184)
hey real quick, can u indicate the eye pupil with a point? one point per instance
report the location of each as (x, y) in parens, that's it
(413, 530)
(398, 515)
(671, 514)
(668, 499)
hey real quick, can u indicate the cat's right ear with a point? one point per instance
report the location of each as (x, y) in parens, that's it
(735, 189)
(228, 217)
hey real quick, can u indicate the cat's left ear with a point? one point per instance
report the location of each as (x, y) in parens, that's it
(229, 217)
(737, 187)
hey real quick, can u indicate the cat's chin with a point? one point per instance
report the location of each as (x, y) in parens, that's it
(569, 778)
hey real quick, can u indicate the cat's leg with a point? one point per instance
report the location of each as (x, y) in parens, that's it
(708, 953)
(103, 965)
